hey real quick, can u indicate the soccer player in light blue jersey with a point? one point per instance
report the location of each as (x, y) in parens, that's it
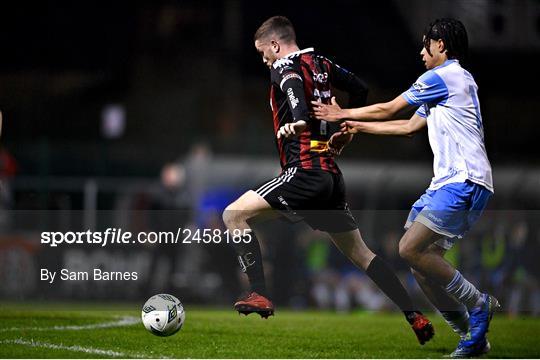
(447, 103)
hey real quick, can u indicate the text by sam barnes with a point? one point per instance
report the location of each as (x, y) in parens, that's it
(95, 275)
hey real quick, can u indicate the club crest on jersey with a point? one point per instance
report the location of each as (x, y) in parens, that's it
(293, 99)
(321, 78)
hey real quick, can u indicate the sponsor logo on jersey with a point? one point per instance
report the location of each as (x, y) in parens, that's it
(293, 99)
(318, 146)
(325, 94)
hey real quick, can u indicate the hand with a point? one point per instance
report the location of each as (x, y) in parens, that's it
(329, 112)
(349, 127)
(291, 129)
(338, 141)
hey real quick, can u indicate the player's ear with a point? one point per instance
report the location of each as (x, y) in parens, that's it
(440, 46)
(274, 45)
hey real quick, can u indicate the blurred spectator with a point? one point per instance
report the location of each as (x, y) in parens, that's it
(197, 165)
(336, 283)
(493, 248)
(173, 193)
(522, 270)
(183, 183)
(8, 164)
(8, 169)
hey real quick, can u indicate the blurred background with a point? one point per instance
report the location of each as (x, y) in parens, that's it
(154, 115)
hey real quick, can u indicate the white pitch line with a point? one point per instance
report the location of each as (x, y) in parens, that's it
(76, 348)
(125, 321)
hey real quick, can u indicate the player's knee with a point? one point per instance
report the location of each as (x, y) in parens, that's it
(230, 217)
(407, 251)
(234, 217)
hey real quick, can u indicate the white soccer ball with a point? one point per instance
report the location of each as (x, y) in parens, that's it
(163, 315)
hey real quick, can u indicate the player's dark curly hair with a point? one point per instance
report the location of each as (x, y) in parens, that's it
(280, 26)
(452, 32)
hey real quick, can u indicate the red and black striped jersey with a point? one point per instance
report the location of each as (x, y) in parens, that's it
(297, 79)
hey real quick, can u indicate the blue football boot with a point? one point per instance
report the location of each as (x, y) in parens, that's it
(476, 343)
(467, 349)
(480, 317)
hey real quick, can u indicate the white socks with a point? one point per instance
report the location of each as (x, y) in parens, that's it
(464, 291)
(458, 320)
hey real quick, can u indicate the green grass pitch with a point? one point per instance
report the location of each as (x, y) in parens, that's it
(61, 331)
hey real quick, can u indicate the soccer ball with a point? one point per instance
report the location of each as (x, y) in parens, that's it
(163, 315)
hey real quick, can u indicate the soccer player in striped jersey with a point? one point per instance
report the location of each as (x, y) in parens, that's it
(447, 103)
(311, 186)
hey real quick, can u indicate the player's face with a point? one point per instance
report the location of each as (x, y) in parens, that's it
(268, 51)
(437, 56)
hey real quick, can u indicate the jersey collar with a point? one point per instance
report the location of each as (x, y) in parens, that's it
(299, 52)
(287, 59)
(446, 63)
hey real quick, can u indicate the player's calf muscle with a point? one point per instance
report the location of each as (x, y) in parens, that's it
(352, 245)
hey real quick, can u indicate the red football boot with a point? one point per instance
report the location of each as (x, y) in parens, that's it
(423, 328)
(256, 303)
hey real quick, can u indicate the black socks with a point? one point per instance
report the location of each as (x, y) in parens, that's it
(385, 278)
(250, 260)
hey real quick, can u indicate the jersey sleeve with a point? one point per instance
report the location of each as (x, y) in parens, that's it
(421, 111)
(352, 84)
(429, 88)
(291, 82)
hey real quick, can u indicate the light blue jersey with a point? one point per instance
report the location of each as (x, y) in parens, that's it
(447, 96)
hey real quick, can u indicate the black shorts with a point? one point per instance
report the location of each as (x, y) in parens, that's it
(314, 196)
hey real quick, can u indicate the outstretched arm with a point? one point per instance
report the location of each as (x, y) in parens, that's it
(395, 127)
(338, 141)
(382, 111)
